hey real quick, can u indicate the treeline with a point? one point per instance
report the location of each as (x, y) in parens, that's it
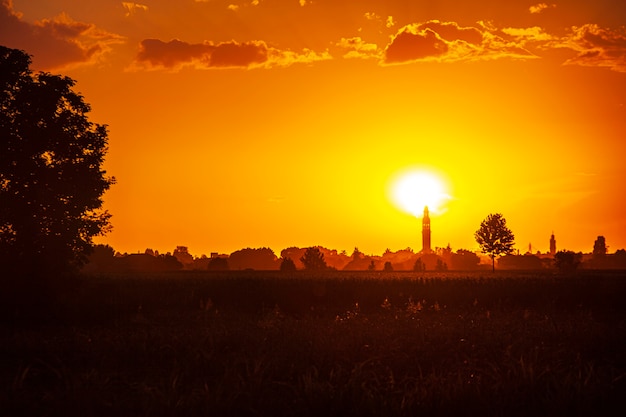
(105, 259)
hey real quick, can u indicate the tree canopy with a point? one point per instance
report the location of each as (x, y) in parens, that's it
(287, 265)
(494, 237)
(51, 176)
(599, 247)
(567, 261)
(313, 259)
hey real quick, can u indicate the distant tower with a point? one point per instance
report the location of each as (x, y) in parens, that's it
(552, 245)
(426, 232)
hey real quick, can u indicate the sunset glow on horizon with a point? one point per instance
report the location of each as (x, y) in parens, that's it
(279, 123)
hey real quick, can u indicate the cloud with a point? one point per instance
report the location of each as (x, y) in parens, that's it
(176, 54)
(535, 34)
(411, 44)
(132, 8)
(538, 8)
(452, 31)
(390, 22)
(356, 48)
(54, 43)
(596, 47)
(449, 42)
(284, 58)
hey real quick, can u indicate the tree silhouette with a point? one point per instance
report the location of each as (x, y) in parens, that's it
(599, 247)
(567, 261)
(287, 265)
(101, 259)
(464, 259)
(494, 237)
(419, 265)
(51, 176)
(441, 265)
(218, 264)
(249, 258)
(313, 259)
(388, 267)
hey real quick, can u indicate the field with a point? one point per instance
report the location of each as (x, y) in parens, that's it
(337, 344)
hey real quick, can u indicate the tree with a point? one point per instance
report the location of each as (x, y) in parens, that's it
(51, 176)
(419, 265)
(218, 264)
(101, 259)
(181, 253)
(441, 265)
(494, 237)
(567, 261)
(464, 260)
(313, 259)
(356, 254)
(388, 267)
(287, 265)
(599, 247)
(249, 258)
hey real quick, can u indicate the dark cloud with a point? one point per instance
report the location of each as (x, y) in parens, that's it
(175, 54)
(54, 43)
(172, 54)
(411, 44)
(448, 42)
(232, 54)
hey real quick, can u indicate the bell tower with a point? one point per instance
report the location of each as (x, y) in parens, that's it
(426, 232)
(552, 245)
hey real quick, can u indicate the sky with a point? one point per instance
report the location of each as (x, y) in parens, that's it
(278, 123)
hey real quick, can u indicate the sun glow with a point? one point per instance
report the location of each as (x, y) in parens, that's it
(411, 190)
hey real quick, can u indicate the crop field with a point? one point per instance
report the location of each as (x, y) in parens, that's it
(333, 344)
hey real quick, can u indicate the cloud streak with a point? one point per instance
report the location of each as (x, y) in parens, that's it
(54, 43)
(357, 48)
(176, 54)
(596, 47)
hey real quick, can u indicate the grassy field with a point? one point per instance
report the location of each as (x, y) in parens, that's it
(339, 344)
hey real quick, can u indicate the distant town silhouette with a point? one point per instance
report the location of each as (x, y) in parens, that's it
(105, 259)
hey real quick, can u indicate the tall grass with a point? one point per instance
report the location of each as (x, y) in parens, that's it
(349, 344)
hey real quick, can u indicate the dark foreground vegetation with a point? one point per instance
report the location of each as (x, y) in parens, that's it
(371, 344)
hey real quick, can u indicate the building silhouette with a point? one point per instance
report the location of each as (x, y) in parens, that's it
(552, 245)
(426, 232)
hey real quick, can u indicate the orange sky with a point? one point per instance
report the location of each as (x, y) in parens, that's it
(277, 123)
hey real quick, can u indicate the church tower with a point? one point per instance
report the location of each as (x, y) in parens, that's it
(426, 232)
(552, 245)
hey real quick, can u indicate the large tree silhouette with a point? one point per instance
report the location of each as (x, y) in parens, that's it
(51, 176)
(494, 237)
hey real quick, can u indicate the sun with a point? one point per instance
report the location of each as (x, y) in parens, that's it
(413, 189)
